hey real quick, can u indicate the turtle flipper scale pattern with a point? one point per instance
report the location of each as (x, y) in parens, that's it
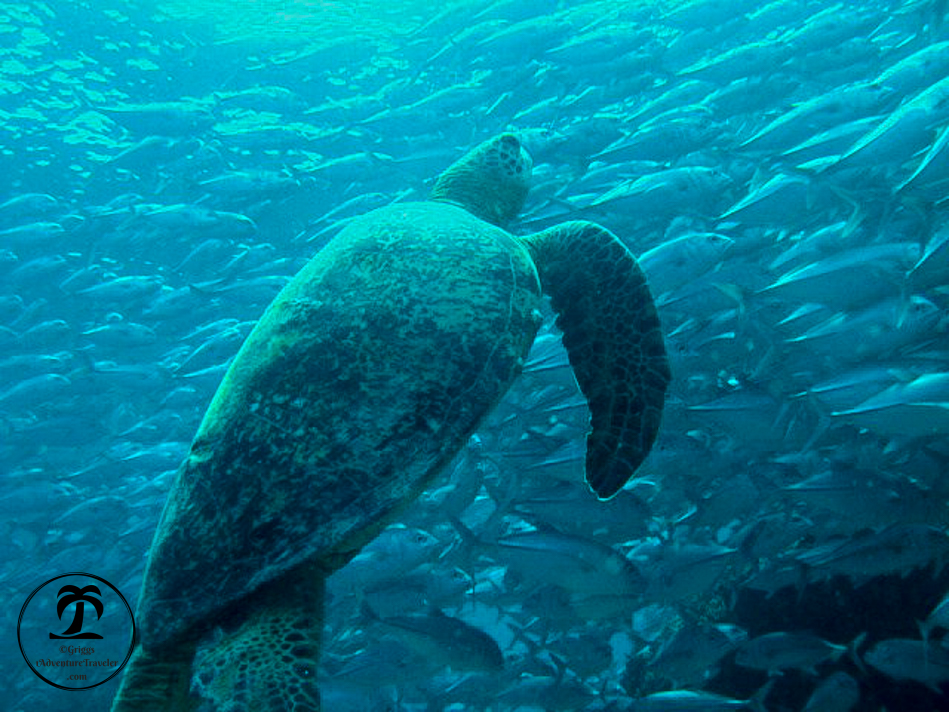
(269, 662)
(613, 338)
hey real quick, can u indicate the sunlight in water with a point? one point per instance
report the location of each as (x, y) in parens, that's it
(326, 22)
(298, 21)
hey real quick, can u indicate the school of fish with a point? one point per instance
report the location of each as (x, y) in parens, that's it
(781, 169)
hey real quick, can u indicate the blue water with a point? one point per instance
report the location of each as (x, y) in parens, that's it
(780, 170)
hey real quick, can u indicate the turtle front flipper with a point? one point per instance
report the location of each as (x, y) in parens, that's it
(614, 341)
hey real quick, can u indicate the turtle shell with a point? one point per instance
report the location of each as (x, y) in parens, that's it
(364, 377)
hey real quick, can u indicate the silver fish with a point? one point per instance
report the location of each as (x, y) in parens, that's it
(915, 660)
(773, 652)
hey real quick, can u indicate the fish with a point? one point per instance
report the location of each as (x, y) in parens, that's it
(121, 291)
(681, 260)
(39, 269)
(28, 206)
(913, 73)
(665, 137)
(689, 657)
(899, 547)
(22, 394)
(580, 566)
(444, 640)
(782, 199)
(837, 693)
(561, 505)
(854, 386)
(31, 235)
(694, 189)
(819, 114)
(694, 701)
(748, 413)
(395, 553)
(903, 132)
(416, 590)
(931, 174)
(884, 328)
(751, 58)
(919, 408)
(263, 98)
(938, 619)
(169, 118)
(248, 183)
(933, 265)
(774, 652)
(216, 350)
(152, 151)
(839, 280)
(121, 334)
(834, 141)
(911, 660)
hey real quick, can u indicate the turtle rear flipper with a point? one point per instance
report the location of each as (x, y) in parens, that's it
(614, 341)
(267, 663)
(158, 680)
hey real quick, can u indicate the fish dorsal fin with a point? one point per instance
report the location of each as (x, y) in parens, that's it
(614, 341)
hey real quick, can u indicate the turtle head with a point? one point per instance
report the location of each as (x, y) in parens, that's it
(490, 181)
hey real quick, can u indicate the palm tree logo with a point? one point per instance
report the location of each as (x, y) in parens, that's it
(80, 597)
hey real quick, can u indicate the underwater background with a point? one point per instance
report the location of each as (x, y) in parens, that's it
(781, 170)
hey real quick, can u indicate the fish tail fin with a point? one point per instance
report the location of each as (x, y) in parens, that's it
(756, 703)
(561, 666)
(88, 362)
(471, 542)
(157, 681)
(366, 611)
(734, 292)
(857, 212)
(533, 647)
(504, 501)
(747, 544)
(379, 160)
(925, 630)
(467, 536)
(84, 105)
(852, 651)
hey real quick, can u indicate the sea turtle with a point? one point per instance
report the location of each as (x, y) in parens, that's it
(363, 378)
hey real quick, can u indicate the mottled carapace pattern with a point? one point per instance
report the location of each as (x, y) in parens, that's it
(363, 378)
(614, 341)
